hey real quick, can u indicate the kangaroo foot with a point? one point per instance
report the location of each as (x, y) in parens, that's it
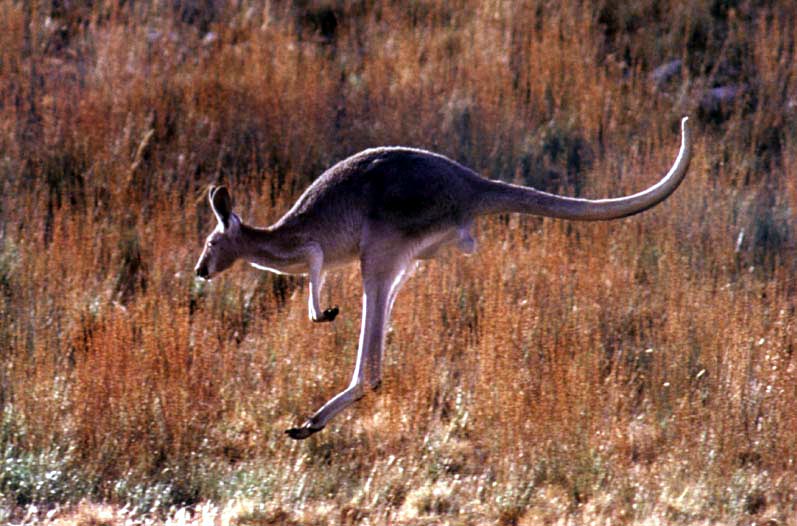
(302, 432)
(327, 315)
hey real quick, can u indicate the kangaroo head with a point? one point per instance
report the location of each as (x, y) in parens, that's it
(222, 246)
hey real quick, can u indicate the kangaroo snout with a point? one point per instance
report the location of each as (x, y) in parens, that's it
(202, 271)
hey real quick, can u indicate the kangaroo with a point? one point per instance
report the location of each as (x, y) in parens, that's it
(387, 208)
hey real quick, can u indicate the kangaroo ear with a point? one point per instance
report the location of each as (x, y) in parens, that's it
(221, 202)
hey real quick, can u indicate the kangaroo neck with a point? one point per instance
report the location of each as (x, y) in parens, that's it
(273, 248)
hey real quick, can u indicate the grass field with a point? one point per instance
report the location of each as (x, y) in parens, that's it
(640, 371)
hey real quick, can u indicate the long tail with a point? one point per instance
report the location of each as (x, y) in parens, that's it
(500, 197)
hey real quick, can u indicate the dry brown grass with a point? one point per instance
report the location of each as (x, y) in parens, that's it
(638, 372)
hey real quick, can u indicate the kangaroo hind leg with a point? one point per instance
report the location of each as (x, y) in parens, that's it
(379, 286)
(375, 359)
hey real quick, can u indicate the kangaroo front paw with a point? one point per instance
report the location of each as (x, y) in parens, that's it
(327, 315)
(300, 433)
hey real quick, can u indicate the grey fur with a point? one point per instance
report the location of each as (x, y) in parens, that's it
(388, 207)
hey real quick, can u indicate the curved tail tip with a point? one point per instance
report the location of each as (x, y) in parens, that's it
(683, 121)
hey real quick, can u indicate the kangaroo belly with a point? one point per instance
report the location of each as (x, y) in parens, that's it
(340, 248)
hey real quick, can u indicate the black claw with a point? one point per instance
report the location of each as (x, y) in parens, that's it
(327, 315)
(330, 314)
(300, 433)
